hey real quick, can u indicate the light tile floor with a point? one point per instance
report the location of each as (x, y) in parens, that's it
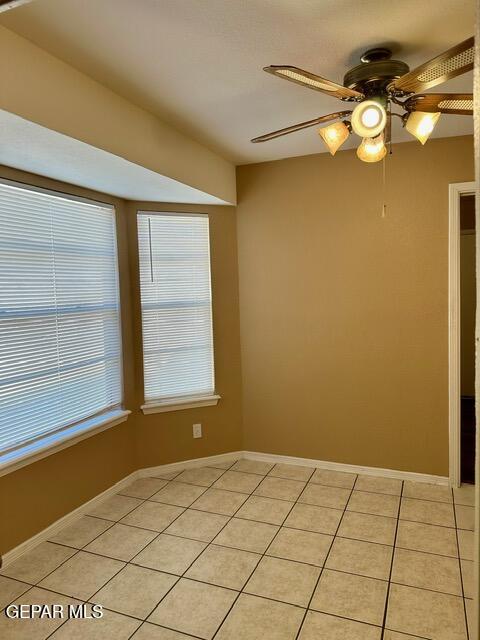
(248, 551)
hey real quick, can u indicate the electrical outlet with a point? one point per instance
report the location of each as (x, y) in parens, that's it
(197, 430)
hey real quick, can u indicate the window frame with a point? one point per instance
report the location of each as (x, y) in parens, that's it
(177, 403)
(49, 443)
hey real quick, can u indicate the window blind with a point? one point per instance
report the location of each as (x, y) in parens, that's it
(60, 353)
(174, 257)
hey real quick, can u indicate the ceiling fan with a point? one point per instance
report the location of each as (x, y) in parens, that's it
(377, 83)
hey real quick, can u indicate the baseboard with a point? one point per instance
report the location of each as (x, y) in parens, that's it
(349, 468)
(68, 519)
(190, 464)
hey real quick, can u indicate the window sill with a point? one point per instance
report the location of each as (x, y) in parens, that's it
(177, 404)
(56, 442)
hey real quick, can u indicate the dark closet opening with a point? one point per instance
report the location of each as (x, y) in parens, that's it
(467, 314)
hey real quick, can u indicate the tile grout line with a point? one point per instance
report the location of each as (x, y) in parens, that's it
(208, 544)
(322, 484)
(125, 564)
(121, 613)
(216, 544)
(175, 535)
(460, 568)
(387, 595)
(185, 509)
(325, 560)
(262, 555)
(88, 599)
(113, 523)
(79, 549)
(263, 597)
(452, 503)
(212, 584)
(141, 620)
(310, 504)
(36, 585)
(442, 555)
(306, 483)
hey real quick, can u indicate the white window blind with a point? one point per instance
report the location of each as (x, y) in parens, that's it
(60, 353)
(176, 300)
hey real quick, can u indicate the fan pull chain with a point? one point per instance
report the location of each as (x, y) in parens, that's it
(384, 205)
(384, 160)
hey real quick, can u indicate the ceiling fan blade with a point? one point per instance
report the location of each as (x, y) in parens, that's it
(447, 65)
(301, 125)
(457, 103)
(312, 81)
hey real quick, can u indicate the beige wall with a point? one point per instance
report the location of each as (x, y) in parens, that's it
(343, 312)
(36, 495)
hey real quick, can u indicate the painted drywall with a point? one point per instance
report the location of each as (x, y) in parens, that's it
(344, 312)
(73, 104)
(34, 496)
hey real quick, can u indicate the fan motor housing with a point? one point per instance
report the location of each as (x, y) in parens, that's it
(375, 73)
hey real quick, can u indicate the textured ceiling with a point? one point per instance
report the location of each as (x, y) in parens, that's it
(198, 63)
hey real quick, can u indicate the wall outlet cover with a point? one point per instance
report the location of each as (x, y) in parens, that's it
(197, 430)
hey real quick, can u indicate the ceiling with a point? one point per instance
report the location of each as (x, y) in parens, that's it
(197, 64)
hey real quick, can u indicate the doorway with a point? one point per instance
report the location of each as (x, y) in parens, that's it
(462, 305)
(467, 338)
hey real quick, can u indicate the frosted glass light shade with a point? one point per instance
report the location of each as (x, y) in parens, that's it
(334, 136)
(372, 149)
(369, 119)
(421, 124)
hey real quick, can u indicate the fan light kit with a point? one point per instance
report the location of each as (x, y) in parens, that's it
(376, 84)
(421, 124)
(334, 135)
(372, 149)
(369, 119)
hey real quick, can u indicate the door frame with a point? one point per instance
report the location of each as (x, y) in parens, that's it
(455, 191)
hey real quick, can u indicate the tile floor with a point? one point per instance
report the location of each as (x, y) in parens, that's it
(247, 550)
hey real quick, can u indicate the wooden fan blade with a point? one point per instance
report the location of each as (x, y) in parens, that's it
(301, 125)
(312, 81)
(457, 103)
(447, 65)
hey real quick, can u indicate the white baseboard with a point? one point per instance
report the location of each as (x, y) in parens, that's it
(349, 468)
(190, 464)
(68, 519)
(65, 521)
